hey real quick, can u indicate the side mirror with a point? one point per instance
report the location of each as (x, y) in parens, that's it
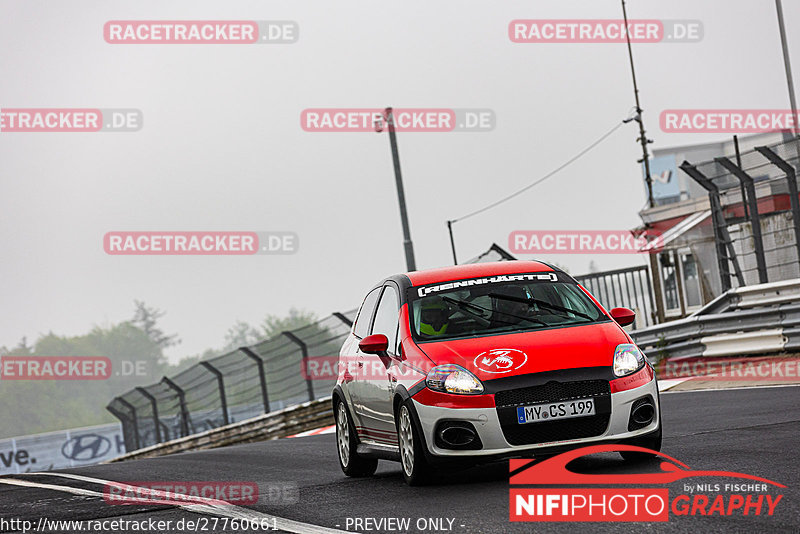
(374, 344)
(623, 316)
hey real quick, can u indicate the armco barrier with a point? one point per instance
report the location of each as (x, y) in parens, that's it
(752, 296)
(273, 425)
(758, 342)
(759, 319)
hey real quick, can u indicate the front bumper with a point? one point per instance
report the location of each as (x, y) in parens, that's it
(487, 424)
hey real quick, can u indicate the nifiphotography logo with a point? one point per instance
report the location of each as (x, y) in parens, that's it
(738, 494)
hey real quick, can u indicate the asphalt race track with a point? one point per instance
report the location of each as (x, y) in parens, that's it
(754, 431)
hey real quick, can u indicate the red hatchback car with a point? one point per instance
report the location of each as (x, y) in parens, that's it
(484, 361)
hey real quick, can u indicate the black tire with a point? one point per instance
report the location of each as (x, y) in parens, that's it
(652, 442)
(413, 463)
(351, 463)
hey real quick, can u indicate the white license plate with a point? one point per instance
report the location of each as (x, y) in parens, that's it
(555, 410)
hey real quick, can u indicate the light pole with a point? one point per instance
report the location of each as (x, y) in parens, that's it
(654, 265)
(786, 64)
(638, 118)
(452, 242)
(401, 196)
(789, 79)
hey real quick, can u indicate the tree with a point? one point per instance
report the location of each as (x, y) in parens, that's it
(241, 334)
(32, 406)
(146, 318)
(273, 325)
(22, 349)
(188, 361)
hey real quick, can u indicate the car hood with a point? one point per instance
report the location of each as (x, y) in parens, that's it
(522, 353)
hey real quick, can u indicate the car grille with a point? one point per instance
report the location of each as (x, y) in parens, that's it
(530, 433)
(548, 431)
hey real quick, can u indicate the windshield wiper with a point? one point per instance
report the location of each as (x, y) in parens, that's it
(464, 305)
(544, 304)
(468, 307)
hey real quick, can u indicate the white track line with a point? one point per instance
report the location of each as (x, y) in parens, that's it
(212, 507)
(316, 432)
(737, 388)
(669, 383)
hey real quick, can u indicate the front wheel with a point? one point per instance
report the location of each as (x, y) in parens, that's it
(416, 470)
(351, 463)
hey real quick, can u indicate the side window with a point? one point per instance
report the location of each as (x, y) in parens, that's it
(386, 318)
(361, 328)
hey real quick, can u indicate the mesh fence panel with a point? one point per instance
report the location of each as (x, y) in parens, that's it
(776, 222)
(285, 383)
(323, 340)
(228, 388)
(202, 397)
(169, 414)
(145, 419)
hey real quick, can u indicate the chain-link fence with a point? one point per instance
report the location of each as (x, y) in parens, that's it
(755, 216)
(235, 386)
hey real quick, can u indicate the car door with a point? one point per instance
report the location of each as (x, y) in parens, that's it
(352, 358)
(375, 389)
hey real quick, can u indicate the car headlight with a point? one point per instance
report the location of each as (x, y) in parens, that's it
(627, 359)
(453, 379)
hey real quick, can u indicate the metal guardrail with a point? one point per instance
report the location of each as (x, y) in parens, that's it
(752, 296)
(274, 425)
(757, 319)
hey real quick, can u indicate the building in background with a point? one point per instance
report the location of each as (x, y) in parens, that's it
(705, 253)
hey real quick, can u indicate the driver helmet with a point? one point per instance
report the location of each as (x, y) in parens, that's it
(434, 316)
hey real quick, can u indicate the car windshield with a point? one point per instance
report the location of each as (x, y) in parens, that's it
(498, 304)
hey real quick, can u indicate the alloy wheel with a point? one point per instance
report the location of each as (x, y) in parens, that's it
(406, 441)
(343, 434)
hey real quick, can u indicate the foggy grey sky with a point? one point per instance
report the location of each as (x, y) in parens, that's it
(222, 147)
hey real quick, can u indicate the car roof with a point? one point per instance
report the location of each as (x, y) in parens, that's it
(475, 270)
